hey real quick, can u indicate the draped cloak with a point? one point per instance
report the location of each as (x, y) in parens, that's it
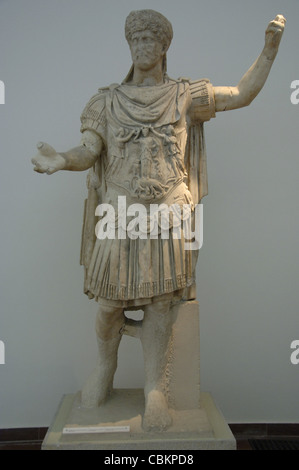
(153, 153)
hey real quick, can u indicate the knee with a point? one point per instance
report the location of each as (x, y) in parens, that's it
(109, 322)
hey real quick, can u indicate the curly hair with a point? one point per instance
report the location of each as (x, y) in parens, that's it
(140, 20)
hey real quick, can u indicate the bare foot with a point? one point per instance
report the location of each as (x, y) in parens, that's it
(156, 416)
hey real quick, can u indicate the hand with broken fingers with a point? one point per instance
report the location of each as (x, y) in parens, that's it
(47, 160)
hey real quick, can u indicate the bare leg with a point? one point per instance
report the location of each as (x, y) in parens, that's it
(155, 338)
(98, 386)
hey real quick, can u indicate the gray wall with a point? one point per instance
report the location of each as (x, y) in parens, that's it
(54, 55)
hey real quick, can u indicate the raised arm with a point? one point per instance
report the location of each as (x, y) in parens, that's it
(80, 158)
(227, 98)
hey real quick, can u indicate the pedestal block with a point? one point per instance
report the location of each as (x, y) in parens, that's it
(117, 425)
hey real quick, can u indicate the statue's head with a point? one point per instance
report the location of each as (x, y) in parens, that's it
(150, 20)
(153, 24)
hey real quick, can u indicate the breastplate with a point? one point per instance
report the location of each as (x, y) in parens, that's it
(146, 162)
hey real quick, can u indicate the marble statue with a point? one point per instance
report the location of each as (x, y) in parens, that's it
(143, 140)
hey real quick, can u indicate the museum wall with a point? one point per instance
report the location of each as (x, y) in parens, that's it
(54, 56)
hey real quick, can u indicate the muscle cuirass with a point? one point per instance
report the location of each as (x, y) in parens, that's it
(145, 156)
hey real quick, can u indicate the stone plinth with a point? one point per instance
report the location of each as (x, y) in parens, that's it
(117, 425)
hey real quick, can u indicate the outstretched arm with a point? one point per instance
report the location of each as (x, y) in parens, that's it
(252, 82)
(79, 158)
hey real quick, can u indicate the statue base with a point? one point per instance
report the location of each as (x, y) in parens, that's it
(117, 425)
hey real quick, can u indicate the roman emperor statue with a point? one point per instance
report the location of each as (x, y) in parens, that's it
(143, 141)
